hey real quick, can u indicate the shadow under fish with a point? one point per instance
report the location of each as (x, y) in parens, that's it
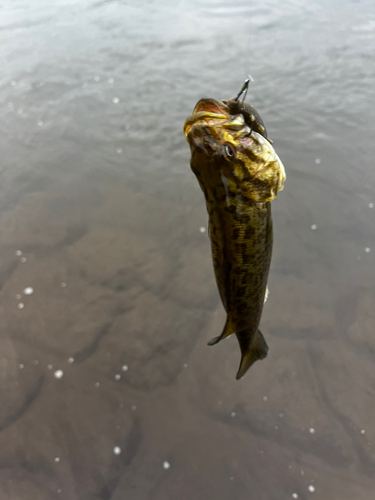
(239, 173)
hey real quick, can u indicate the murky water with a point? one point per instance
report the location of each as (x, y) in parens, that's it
(108, 390)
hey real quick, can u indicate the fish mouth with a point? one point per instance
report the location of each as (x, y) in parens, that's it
(207, 111)
(212, 113)
(211, 106)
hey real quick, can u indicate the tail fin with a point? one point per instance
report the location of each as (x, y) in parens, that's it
(228, 330)
(253, 347)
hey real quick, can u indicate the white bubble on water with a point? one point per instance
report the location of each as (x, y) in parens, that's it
(371, 205)
(124, 368)
(115, 100)
(318, 160)
(311, 488)
(313, 227)
(97, 384)
(233, 414)
(57, 460)
(21, 366)
(18, 252)
(58, 374)
(117, 377)
(363, 431)
(312, 430)
(18, 296)
(281, 415)
(185, 365)
(265, 398)
(28, 290)
(63, 284)
(294, 495)
(117, 450)
(166, 465)
(49, 367)
(367, 249)
(40, 123)
(71, 360)
(23, 259)
(21, 305)
(202, 229)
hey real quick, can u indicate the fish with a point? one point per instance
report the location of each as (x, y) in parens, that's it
(240, 174)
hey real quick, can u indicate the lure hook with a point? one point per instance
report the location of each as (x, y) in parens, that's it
(245, 88)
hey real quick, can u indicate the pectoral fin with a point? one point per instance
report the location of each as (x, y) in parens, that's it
(228, 330)
(253, 347)
(266, 294)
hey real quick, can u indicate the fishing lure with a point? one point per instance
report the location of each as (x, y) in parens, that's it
(251, 116)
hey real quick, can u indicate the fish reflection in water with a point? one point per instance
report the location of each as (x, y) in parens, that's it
(239, 173)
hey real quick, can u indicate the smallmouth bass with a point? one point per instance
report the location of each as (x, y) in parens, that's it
(239, 173)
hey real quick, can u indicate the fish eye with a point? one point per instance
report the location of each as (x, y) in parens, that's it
(229, 151)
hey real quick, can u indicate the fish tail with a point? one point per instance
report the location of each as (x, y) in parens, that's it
(252, 349)
(228, 330)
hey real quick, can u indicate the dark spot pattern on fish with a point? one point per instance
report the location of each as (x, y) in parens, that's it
(231, 209)
(236, 233)
(249, 232)
(241, 291)
(240, 248)
(246, 258)
(241, 307)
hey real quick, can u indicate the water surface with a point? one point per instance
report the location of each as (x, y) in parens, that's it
(105, 376)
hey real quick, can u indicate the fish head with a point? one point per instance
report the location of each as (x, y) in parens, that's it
(223, 144)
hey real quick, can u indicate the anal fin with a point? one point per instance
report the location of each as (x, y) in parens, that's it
(228, 330)
(253, 347)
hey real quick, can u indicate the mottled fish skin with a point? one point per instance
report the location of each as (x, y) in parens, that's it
(238, 190)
